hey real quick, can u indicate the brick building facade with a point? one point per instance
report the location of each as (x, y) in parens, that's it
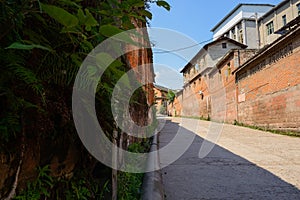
(269, 85)
(196, 99)
(249, 86)
(223, 86)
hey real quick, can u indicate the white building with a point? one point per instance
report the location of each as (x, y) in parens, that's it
(241, 24)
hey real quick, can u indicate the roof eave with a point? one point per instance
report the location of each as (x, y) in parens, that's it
(259, 54)
(235, 9)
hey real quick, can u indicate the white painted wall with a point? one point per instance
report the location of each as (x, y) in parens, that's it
(245, 11)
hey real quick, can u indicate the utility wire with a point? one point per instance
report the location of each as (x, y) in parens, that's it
(183, 48)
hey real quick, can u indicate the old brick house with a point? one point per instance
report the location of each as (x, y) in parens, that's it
(160, 96)
(195, 96)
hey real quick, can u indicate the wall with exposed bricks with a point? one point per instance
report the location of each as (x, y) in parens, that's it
(269, 88)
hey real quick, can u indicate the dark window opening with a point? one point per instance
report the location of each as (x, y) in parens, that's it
(284, 20)
(224, 45)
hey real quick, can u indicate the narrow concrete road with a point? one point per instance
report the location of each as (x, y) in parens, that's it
(244, 164)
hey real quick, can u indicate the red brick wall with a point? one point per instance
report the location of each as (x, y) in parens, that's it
(270, 97)
(140, 112)
(194, 104)
(223, 87)
(278, 110)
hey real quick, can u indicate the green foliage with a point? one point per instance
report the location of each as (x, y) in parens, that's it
(79, 187)
(163, 4)
(78, 191)
(40, 188)
(171, 96)
(61, 15)
(18, 45)
(129, 184)
(44, 43)
(42, 47)
(83, 187)
(139, 147)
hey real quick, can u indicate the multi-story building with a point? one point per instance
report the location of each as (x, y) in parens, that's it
(271, 24)
(195, 101)
(228, 82)
(241, 24)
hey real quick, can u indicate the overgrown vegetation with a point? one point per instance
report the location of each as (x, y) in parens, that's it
(79, 187)
(42, 45)
(39, 188)
(129, 184)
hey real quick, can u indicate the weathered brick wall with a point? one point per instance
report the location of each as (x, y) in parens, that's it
(177, 105)
(269, 96)
(196, 80)
(279, 110)
(141, 62)
(217, 96)
(194, 104)
(223, 88)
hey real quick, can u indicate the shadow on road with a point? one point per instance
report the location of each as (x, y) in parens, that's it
(220, 175)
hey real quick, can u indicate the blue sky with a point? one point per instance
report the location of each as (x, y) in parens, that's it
(193, 19)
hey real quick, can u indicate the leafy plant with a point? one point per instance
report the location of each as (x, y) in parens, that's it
(40, 188)
(171, 96)
(43, 44)
(129, 184)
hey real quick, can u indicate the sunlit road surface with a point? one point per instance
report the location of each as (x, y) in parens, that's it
(244, 164)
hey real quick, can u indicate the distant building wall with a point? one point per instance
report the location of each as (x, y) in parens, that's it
(175, 107)
(160, 100)
(194, 103)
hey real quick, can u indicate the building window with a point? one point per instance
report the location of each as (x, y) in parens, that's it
(241, 39)
(233, 36)
(197, 67)
(224, 45)
(270, 28)
(298, 6)
(284, 20)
